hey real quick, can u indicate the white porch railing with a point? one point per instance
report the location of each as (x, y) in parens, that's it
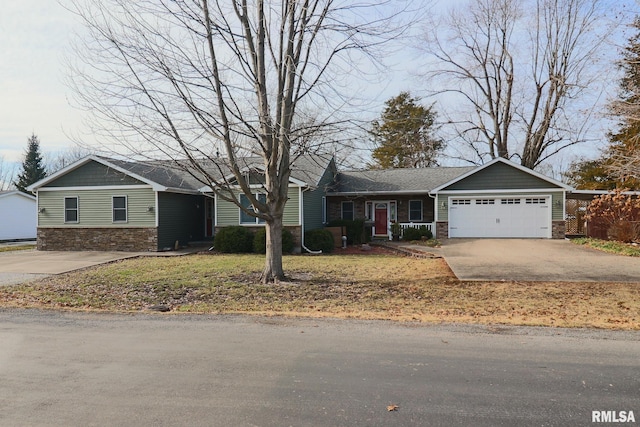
(430, 225)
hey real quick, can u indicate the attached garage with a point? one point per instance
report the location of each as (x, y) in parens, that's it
(503, 217)
(500, 199)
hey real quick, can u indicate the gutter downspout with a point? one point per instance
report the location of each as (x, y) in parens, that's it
(302, 225)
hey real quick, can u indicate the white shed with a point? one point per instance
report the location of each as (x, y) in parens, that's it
(18, 215)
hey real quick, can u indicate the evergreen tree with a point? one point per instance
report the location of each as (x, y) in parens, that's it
(590, 175)
(404, 134)
(32, 167)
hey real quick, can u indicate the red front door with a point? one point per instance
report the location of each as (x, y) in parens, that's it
(381, 219)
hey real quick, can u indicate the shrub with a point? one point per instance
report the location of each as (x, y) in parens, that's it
(260, 241)
(235, 239)
(415, 233)
(319, 240)
(411, 233)
(425, 233)
(355, 229)
(618, 214)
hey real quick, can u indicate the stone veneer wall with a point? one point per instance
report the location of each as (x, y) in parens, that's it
(98, 239)
(442, 230)
(558, 229)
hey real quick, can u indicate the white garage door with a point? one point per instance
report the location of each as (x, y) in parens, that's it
(500, 217)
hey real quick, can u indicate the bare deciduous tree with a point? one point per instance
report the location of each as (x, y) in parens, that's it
(520, 68)
(7, 175)
(191, 80)
(61, 159)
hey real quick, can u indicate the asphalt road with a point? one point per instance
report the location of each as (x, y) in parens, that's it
(80, 369)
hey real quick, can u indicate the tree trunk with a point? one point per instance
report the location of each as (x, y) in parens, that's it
(273, 271)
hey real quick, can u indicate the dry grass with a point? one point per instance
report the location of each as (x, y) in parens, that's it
(349, 286)
(17, 248)
(611, 246)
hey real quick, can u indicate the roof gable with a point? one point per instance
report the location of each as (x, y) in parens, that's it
(93, 174)
(501, 174)
(109, 163)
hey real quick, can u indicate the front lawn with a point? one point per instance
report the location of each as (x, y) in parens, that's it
(347, 286)
(610, 246)
(16, 248)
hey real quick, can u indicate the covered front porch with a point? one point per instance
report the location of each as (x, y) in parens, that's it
(384, 215)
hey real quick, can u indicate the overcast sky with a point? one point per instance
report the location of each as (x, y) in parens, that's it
(35, 37)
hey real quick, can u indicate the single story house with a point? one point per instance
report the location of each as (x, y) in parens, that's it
(99, 203)
(106, 204)
(498, 199)
(17, 216)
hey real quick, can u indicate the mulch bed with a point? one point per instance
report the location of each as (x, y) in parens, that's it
(358, 250)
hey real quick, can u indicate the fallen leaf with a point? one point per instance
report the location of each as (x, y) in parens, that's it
(392, 408)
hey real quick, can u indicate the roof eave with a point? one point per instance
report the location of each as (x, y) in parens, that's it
(19, 193)
(378, 193)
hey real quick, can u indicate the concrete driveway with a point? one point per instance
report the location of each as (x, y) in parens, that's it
(22, 266)
(536, 260)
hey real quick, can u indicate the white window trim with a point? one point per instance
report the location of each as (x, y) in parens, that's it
(257, 221)
(324, 210)
(77, 209)
(421, 210)
(369, 213)
(353, 209)
(126, 210)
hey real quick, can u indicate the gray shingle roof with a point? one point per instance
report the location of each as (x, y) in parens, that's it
(396, 180)
(308, 169)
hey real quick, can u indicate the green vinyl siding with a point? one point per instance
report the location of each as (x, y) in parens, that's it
(228, 213)
(95, 208)
(181, 218)
(93, 174)
(557, 198)
(500, 176)
(312, 200)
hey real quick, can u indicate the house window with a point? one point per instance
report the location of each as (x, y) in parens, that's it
(347, 210)
(415, 210)
(393, 211)
(70, 209)
(461, 202)
(119, 204)
(246, 218)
